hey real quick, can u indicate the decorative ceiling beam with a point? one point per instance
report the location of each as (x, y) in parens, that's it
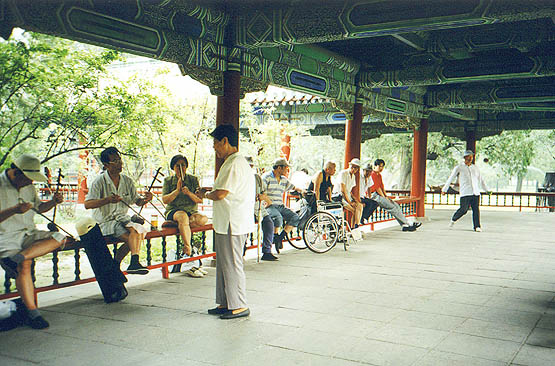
(334, 20)
(534, 90)
(412, 40)
(441, 71)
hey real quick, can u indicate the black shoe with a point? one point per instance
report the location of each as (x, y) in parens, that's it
(217, 311)
(417, 225)
(9, 266)
(269, 257)
(38, 323)
(229, 314)
(117, 295)
(137, 268)
(278, 241)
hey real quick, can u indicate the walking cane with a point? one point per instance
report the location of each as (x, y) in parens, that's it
(258, 224)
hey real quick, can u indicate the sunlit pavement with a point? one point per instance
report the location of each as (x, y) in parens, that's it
(437, 296)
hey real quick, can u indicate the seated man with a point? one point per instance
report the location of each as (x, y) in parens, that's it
(348, 181)
(179, 195)
(260, 211)
(20, 241)
(369, 204)
(379, 195)
(110, 195)
(275, 183)
(321, 184)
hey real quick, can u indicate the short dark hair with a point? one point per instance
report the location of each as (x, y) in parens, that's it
(228, 131)
(105, 155)
(176, 158)
(379, 162)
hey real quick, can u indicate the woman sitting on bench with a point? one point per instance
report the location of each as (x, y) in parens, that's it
(178, 193)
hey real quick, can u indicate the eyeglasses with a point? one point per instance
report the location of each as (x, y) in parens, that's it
(117, 161)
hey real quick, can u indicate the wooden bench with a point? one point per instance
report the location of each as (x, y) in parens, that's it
(75, 245)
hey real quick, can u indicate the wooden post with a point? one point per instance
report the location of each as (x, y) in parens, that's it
(227, 110)
(419, 151)
(471, 142)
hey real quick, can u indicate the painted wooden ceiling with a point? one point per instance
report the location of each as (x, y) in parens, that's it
(482, 65)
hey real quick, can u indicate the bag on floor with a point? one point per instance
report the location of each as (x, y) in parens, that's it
(108, 275)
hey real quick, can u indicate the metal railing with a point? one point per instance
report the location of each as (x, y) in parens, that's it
(527, 201)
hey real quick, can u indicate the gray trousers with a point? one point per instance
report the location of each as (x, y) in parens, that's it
(231, 283)
(392, 207)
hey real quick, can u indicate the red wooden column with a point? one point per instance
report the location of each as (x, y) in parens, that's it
(227, 110)
(353, 138)
(471, 142)
(419, 151)
(285, 145)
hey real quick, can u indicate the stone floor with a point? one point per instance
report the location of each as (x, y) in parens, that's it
(437, 296)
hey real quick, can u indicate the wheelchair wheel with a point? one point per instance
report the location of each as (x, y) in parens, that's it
(297, 244)
(321, 232)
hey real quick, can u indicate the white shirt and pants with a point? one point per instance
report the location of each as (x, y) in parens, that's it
(470, 181)
(233, 221)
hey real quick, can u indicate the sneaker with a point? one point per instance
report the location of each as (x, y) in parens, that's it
(9, 266)
(269, 257)
(191, 273)
(137, 268)
(201, 270)
(452, 223)
(478, 229)
(38, 323)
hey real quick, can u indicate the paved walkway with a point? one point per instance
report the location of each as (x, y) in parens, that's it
(438, 296)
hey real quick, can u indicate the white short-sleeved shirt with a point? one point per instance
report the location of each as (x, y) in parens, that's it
(19, 228)
(11, 196)
(108, 216)
(348, 179)
(235, 210)
(365, 183)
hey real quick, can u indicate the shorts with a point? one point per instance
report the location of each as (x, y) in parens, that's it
(13, 242)
(169, 215)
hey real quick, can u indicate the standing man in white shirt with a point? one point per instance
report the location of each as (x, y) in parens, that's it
(233, 194)
(470, 180)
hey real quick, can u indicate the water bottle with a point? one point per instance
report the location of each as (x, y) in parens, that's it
(154, 222)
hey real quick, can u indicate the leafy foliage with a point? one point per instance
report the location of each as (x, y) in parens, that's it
(57, 97)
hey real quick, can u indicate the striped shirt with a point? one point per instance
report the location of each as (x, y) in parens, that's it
(275, 189)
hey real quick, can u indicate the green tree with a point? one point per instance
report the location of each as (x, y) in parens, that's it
(56, 97)
(512, 152)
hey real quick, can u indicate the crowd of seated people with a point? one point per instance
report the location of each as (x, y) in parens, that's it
(111, 194)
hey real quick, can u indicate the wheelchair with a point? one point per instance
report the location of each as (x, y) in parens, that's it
(327, 226)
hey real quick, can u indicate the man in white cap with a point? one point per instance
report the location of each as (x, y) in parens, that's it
(470, 181)
(20, 241)
(348, 181)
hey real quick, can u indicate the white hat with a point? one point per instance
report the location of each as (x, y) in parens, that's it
(467, 153)
(84, 225)
(355, 162)
(30, 166)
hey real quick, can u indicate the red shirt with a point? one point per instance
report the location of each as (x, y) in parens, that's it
(378, 183)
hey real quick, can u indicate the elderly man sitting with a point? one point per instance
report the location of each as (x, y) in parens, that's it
(348, 181)
(20, 241)
(275, 184)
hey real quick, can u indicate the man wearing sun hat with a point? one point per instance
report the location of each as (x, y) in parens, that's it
(470, 181)
(20, 241)
(347, 181)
